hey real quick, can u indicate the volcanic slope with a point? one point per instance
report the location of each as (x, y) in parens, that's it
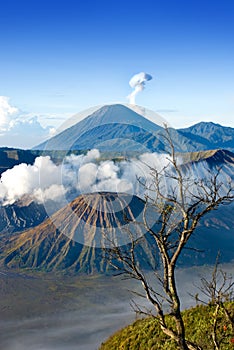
(114, 128)
(72, 239)
(21, 215)
(119, 128)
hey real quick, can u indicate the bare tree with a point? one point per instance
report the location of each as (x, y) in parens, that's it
(177, 200)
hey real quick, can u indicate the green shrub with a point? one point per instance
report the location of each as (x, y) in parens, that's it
(146, 334)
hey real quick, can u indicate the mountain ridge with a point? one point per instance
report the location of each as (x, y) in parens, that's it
(123, 124)
(107, 114)
(210, 135)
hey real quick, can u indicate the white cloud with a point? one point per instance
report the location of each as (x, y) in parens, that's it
(87, 177)
(41, 180)
(88, 173)
(45, 180)
(84, 173)
(52, 132)
(6, 112)
(17, 129)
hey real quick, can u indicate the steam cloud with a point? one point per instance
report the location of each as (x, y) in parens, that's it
(45, 180)
(137, 82)
(40, 179)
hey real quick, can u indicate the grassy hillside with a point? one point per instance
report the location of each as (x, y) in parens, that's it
(146, 334)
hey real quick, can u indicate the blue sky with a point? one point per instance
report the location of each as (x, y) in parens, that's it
(60, 57)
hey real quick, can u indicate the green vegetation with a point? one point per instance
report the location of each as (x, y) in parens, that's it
(146, 334)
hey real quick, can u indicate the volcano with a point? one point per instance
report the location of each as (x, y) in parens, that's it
(125, 129)
(81, 237)
(114, 128)
(74, 237)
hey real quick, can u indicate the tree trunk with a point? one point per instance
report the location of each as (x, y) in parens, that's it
(176, 309)
(181, 332)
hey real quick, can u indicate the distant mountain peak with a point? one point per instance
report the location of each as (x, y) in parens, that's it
(209, 135)
(109, 122)
(124, 128)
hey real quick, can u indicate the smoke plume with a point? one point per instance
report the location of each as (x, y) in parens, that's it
(137, 82)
